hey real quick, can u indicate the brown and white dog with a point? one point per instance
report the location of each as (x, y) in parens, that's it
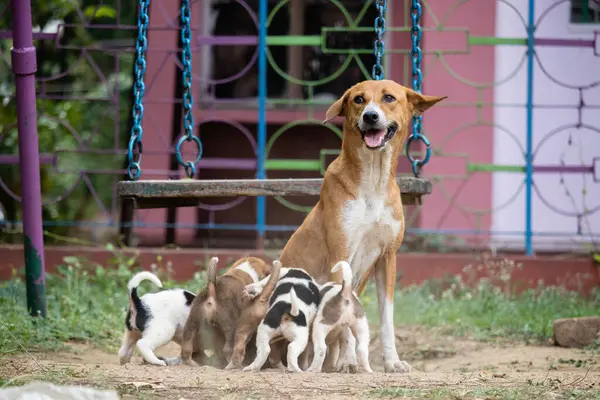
(252, 316)
(359, 216)
(339, 308)
(216, 310)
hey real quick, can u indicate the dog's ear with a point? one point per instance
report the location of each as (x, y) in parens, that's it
(337, 109)
(420, 103)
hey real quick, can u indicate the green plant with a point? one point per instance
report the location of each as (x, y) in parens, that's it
(485, 304)
(75, 99)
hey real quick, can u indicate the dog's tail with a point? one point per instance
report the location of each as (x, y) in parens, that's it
(211, 277)
(346, 277)
(270, 286)
(135, 281)
(295, 310)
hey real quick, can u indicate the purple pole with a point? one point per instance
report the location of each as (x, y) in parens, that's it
(24, 67)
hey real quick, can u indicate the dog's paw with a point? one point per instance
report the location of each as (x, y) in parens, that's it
(189, 361)
(250, 292)
(347, 368)
(231, 367)
(160, 363)
(172, 360)
(251, 368)
(397, 366)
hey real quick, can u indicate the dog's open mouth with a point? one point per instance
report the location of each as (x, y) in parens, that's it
(377, 138)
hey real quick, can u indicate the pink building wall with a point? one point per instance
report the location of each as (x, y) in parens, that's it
(458, 130)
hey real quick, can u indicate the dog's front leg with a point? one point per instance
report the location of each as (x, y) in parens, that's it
(385, 281)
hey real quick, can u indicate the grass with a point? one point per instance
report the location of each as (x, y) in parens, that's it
(87, 303)
(486, 305)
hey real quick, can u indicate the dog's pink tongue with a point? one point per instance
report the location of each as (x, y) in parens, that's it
(373, 138)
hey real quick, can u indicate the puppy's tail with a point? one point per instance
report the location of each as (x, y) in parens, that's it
(211, 276)
(295, 310)
(346, 276)
(270, 286)
(135, 281)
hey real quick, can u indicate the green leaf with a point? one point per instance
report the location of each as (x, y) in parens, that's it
(70, 260)
(100, 12)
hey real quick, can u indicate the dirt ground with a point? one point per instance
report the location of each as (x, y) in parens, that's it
(443, 367)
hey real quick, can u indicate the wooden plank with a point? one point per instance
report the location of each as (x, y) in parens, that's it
(188, 192)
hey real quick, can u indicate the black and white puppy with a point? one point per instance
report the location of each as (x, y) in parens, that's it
(292, 308)
(154, 319)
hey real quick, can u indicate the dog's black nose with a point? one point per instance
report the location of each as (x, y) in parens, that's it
(370, 117)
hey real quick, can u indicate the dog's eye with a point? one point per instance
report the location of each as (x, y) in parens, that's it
(359, 99)
(388, 98)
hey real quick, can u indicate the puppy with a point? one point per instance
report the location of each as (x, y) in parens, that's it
(339, 309)
(292, 308)
(217, 309)
(154, 319)
(252, 316)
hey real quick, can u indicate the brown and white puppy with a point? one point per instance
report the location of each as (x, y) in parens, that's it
(339, 309)
(359, 216)
(216, 310)
(252, 316)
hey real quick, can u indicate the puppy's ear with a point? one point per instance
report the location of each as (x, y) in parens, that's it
(420, 103)
(337, 109)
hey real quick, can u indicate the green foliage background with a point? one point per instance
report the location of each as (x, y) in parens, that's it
(86, 108)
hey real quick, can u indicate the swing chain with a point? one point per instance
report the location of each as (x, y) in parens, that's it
(378, 44)
(417, 79)
(134, 150)
(188, 99)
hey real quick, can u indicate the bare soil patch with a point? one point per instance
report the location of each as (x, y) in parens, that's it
(443, 367)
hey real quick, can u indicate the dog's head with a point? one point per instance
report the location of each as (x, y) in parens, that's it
(377, 110)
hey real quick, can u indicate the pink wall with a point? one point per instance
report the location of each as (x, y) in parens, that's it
(457, 132)
(162, 65)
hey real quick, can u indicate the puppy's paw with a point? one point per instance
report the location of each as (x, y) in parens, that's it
(397, 366)
(250, 292)
(251, 368)
(231, 366)
(160, 363)
(172, 360)
(347, 368)
(190, 362)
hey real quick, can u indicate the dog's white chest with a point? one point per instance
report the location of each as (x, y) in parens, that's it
(369, 226)
(368, 223)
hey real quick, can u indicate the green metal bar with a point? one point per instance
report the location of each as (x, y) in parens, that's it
(293, 165)
(306, 40)
(495, 168)
(495, 41)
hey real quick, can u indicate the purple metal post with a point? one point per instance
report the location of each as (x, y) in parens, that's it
(24, 67)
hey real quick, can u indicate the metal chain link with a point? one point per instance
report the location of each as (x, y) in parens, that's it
(188, 99)
(378, 44)
(134, 150)
(417, 80)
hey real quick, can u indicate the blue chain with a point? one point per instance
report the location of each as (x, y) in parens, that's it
(134, 150)
(378, 44)
(417, 79)
(188, 99)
